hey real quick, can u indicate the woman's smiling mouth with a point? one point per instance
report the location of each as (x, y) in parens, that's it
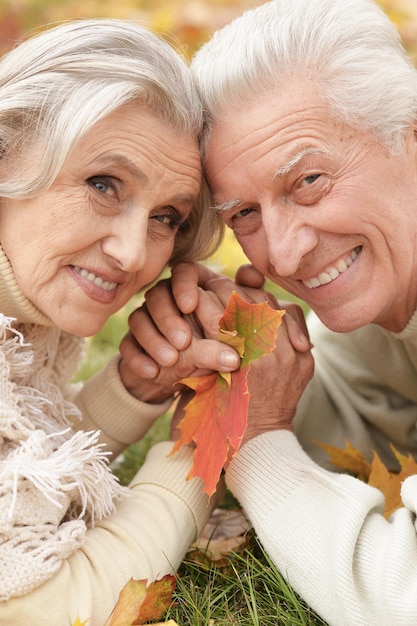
(324, 278)
(96, 280)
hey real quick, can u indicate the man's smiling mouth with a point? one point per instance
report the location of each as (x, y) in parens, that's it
(333, 272)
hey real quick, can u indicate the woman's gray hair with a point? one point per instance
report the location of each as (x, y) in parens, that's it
(348, 47)
(56, 85)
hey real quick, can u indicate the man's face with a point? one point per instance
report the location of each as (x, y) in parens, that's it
(319, 207)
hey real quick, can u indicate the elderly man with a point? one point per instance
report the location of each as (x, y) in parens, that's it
(310, 152)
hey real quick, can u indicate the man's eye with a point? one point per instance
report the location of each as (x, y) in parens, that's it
(308, 180)
(244, 212)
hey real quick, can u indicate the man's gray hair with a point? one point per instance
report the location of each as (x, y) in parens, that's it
(349, 48)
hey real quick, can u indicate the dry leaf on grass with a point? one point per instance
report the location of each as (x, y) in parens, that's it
(376, 474)
(225, 532)
(140, 603)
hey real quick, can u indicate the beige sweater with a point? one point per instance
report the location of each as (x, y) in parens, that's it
(70, 536)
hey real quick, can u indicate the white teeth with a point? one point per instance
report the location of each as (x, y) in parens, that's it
(326, 277)
(103, 284)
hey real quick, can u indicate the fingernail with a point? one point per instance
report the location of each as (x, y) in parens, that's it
(167, 355)
(185, 303)
(304, 340)
(149, 371)
(229, 359)
(179, 337)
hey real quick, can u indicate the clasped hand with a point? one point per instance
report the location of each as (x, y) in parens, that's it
(173, 336)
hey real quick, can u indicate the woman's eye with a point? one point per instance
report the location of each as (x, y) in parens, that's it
(103, 184)
(171, 219)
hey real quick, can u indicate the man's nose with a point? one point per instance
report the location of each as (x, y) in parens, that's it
(288, 239)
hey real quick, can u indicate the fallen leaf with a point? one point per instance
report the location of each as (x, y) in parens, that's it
(348, 459)
(157, 600)
(139, 603)
(376, 474)
(225, 532)
(215, 419)
(390, 482)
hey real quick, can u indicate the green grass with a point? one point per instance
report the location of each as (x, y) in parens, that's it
(247, 591)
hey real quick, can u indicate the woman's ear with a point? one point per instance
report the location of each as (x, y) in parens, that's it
(415, 130)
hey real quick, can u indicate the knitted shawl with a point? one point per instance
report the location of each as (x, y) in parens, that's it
(53, 482)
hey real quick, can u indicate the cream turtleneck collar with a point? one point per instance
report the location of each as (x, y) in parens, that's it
(12, 301)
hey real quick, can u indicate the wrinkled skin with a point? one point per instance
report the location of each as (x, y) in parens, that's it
(106, 227)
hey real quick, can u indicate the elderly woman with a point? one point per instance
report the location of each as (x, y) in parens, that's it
(99, 179)
(311, 154)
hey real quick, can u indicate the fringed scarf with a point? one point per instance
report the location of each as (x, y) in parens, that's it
(53, 482)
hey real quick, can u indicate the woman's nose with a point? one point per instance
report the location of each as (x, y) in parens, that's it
(127, 243)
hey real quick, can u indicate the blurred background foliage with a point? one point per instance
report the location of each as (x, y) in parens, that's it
(191, 22)
(186, 24)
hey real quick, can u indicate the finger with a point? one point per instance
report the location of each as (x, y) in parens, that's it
(150, 340)
(294, 322)
(189, 279)
(185, 280)
(208, 355)
(166, 318)
(247, 275)
(135, 362)
(208, 313)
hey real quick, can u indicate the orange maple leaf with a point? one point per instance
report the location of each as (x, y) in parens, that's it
(348, 459)
(376, 474)
(216, 417)
(139, 603)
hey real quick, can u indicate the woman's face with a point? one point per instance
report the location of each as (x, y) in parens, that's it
(106, 227)
(320, 208)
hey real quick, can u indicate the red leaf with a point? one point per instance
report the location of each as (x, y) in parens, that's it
(216, 417)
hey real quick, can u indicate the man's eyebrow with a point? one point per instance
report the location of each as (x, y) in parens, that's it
(294, 160)
(227, 205)
(282, 171)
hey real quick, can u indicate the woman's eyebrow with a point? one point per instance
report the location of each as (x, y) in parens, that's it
(113, 157)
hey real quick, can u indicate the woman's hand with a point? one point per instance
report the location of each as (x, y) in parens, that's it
(155, 382)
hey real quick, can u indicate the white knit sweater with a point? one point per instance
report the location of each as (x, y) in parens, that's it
(70, 536)
(326, 531)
